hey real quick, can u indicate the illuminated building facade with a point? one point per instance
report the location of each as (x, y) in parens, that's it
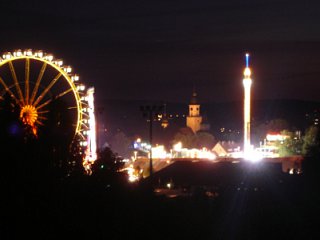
(247, 81)
(194, 119)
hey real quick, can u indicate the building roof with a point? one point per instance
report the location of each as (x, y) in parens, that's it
(194, 99)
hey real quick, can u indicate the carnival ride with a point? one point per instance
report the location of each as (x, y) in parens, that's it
(36, 80)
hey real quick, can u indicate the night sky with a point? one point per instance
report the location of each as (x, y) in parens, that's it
(160, 50)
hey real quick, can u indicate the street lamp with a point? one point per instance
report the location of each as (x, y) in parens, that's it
(150, 111)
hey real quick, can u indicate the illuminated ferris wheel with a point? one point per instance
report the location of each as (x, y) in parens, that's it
(38, 83)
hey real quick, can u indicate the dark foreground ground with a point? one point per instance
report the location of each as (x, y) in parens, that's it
(252, 205)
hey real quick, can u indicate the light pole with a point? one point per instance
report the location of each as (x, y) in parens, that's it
(150, 111)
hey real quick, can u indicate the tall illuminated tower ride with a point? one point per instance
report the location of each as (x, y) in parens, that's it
(247, 81)
(91, 145)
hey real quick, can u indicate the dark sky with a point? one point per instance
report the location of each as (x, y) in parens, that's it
(159, 50)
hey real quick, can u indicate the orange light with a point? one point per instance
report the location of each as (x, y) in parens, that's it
(29, 115)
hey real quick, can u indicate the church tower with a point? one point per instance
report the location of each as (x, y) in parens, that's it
(194, 119)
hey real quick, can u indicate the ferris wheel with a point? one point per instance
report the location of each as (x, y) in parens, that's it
(36, 82)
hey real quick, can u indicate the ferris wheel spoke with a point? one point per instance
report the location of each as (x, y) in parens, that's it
(85, 114)
(64, 93)
(36, 87)
(45, 91)
(42, 117)
(58, 96)
(84, 124)
(27, 74)
(42, 112)
(40, 123)
(14, 76)
(9, 91)
(44, 104)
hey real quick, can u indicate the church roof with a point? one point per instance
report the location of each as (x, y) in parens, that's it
(194, 99)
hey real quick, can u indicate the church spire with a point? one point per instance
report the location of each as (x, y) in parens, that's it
(194, 118)
(194, 99)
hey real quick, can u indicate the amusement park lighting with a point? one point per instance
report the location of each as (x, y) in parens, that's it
(81, 87)
(59, 62)
(39, 54)
(253, 156)
(6, 55)
(68, 69)
(91, 151)
(17, 53)
(28, 52)
(76, 77)
(247, 82)
(177, 147)
(48, 57)
(32, 98)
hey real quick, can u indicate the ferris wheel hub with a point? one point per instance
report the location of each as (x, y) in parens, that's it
(29, 115)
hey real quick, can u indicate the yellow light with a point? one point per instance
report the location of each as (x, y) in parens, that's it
(247, 72)
(164, 123)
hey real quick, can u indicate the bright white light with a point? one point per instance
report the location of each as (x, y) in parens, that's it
(205, 154)
(75, 78)
(247, 72)
(68, 69)
(81, 87)
(253, 155)
(39, 54)
(91, 152)
(17, 53)
(159, 152)
(6, 55)
(276, 137)
(177, 147)
(59, 62)
(28, 52)
(49, 57)
(247, 115)
(133, 176)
